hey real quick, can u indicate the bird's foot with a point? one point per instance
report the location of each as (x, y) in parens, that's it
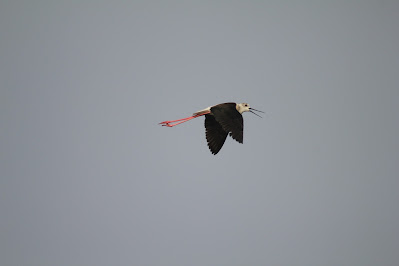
(166, 124)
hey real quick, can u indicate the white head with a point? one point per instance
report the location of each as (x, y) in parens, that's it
(244, 107)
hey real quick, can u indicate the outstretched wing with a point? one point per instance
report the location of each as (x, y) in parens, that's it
(230, 120)
(215, 134)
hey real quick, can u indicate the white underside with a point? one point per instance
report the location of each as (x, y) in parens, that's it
(206, 110)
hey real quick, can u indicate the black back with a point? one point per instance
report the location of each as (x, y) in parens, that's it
(224, 119)
(230, 120)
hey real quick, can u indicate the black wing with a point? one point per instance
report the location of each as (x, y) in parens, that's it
(230, 120)
(215, 134)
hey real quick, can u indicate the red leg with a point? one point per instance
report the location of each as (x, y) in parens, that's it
(168, 123)
(179, 121)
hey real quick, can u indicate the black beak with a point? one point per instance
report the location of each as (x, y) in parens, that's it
(250, 109)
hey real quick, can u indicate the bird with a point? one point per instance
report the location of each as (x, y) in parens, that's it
(220, 120)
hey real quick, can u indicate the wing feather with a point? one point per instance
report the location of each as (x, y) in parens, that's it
(215, 134)
(230, 120)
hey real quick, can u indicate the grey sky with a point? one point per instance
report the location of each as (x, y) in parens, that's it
(89, 178)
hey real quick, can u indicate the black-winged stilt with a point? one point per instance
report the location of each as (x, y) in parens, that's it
(220, 120)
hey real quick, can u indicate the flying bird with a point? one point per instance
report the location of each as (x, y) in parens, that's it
(220, 120)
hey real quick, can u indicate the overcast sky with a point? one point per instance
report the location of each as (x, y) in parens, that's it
(88, 177)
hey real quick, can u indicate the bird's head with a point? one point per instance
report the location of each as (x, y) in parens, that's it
(244, 107)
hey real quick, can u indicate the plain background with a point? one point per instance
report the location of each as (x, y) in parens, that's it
(88, 177)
